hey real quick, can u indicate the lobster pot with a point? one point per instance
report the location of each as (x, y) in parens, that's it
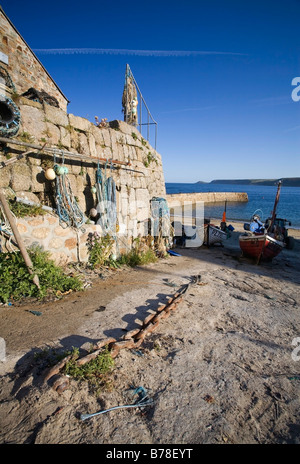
(9, 112)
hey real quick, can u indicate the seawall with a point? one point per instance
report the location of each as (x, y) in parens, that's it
(178, 199)
(78, 145)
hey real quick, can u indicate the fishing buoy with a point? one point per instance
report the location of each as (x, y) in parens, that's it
(93, 189)
(50, 174)
(93, 212)
(66, 170)
(59, 170)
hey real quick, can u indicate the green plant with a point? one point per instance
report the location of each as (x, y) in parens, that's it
(133, 135)
(96, 371)
(16, 282)
(15, 96)
(69, 128)
(47, 133)
(61, 146)
(135, 258)
(100, 250)
(50, 356)
(21, 210)
(25, 137)
(141, 253)
(101, 253)
(149, 158)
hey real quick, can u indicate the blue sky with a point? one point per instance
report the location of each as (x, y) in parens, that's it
(223, 111)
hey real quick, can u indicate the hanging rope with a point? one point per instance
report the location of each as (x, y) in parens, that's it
(68, 209)
(159, 212)
(107, 201)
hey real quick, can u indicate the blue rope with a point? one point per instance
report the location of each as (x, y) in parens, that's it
(106, 196)
(159, 210)
(68, 209)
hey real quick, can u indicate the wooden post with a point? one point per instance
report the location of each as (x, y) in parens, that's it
(17, 235)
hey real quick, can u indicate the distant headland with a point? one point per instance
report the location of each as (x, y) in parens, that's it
(286, 181)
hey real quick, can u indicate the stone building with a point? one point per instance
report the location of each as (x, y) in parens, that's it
(44, 136)
(24, 68)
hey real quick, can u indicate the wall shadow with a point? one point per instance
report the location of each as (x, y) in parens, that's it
(285, 267)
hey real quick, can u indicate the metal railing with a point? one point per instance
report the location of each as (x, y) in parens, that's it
(131, 115)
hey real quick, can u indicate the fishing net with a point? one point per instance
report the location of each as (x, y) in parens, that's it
(107, 201)
(68, 210)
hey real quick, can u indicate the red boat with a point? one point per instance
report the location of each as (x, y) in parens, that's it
(263, 244)
(260, 246)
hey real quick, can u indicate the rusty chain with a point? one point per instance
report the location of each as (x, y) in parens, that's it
(131, 340)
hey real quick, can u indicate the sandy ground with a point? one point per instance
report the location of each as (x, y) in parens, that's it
(222, 369)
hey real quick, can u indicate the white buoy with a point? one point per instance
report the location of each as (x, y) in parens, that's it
(50, 174)
(93, 212)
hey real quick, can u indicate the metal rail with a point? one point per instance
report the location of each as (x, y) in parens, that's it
(129, 75)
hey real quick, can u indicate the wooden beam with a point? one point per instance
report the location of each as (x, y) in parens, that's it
(59, 152)
(19, 241)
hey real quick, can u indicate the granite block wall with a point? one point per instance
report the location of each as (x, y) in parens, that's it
(25, 70)
(137, 181)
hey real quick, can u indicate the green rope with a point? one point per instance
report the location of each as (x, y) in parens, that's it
(68, 209)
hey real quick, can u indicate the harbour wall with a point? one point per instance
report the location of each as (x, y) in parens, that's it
(138, 178)
(179, 199)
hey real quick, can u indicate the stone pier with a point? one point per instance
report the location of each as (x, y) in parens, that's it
(179, 199)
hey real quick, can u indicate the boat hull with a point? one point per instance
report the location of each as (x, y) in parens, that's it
(213, 235)
(260, 246)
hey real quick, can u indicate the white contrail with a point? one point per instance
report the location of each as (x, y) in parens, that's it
(120, 51)
(200, 108)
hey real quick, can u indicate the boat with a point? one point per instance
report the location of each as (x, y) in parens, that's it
(262, 242)
(260, 246)
(213, 234)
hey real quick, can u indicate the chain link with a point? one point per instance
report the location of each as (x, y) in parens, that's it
(131, 340)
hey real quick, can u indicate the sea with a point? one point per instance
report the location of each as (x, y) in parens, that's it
(260, 197)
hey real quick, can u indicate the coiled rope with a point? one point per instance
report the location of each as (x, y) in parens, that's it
(68, 210)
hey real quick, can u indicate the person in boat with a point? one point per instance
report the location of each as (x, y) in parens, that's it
(256, 226)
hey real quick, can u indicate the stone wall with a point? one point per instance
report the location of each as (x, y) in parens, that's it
(64, 243)
(25, 70)
(178, 199)
(137, 181)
